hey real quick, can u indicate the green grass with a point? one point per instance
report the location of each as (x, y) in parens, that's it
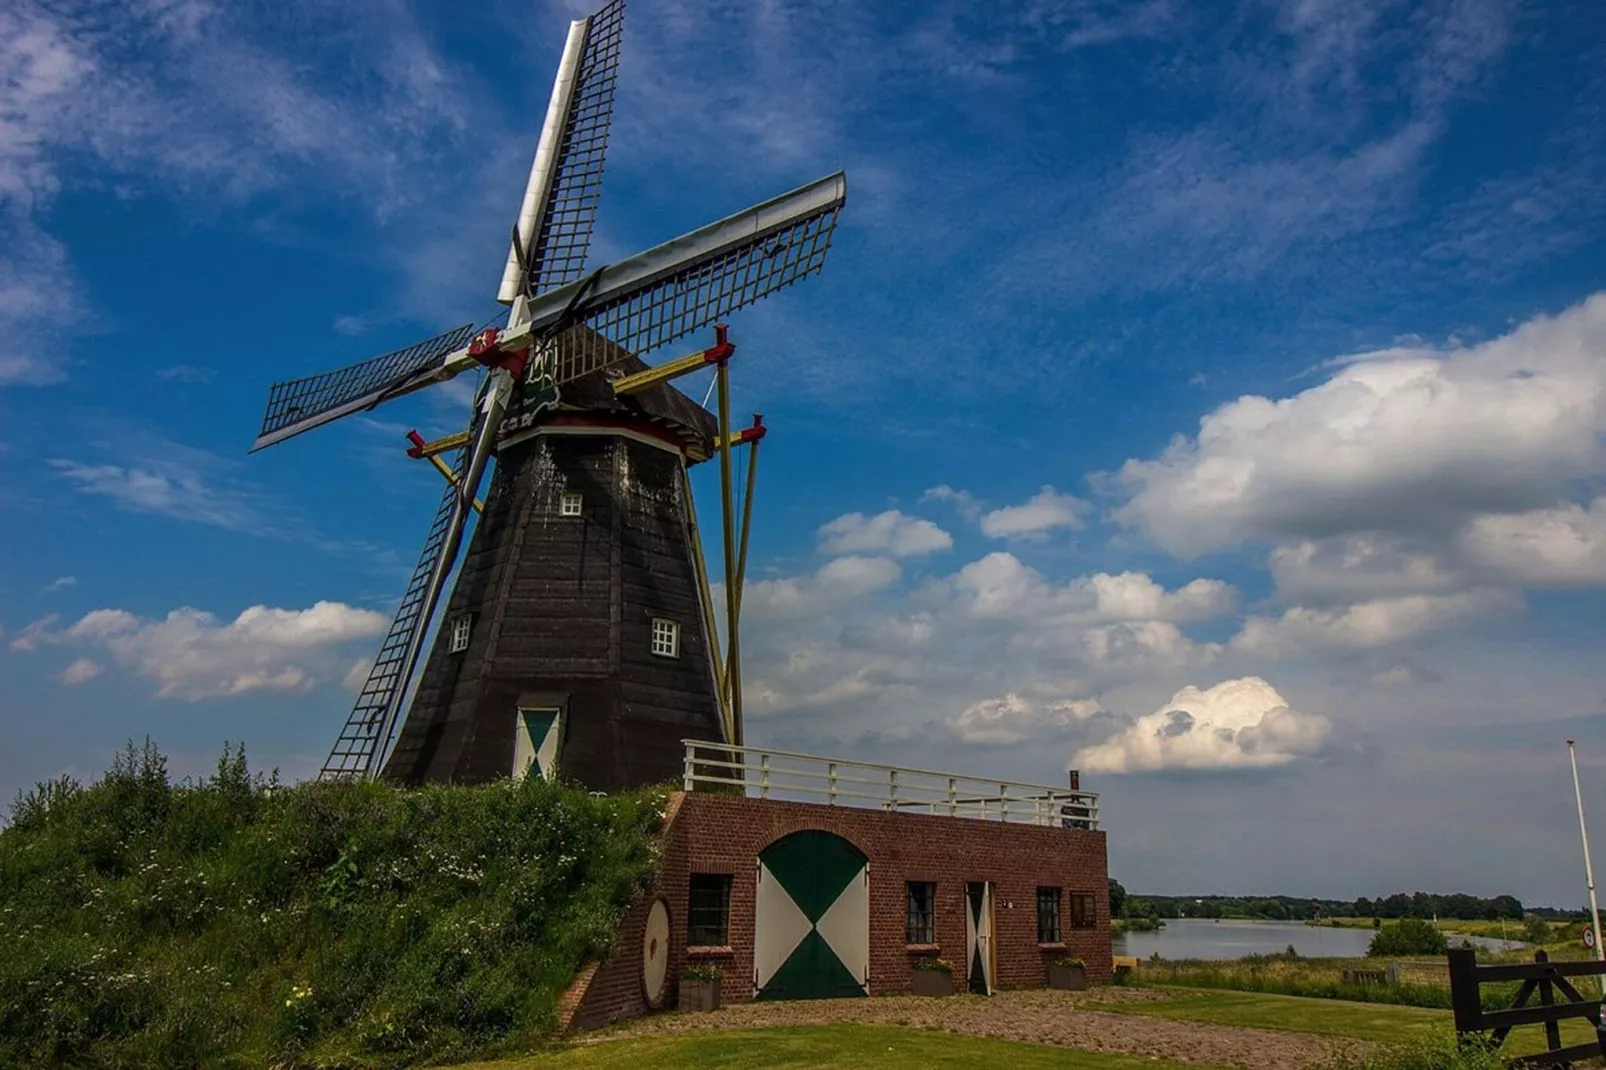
(1330, 1017)
(883, 1047)
(237, 922)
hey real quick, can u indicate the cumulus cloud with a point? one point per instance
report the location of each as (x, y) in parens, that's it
(1014, 719)
(837, 581)
(191, 655)
(892, 533)
(1237, 724)
(1001, 586)
(1406, 440)
(967, 503)
(1043, 512)
(1368, 625)
(80, 671)
(1564, 546)
(1352, 568)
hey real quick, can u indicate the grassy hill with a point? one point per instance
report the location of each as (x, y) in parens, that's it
(240, 922)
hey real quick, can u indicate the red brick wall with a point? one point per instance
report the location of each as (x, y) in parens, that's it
(713, 833)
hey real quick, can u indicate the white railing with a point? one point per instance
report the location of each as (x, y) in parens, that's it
(787, 775)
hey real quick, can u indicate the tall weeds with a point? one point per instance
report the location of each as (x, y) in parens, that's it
(240, 922)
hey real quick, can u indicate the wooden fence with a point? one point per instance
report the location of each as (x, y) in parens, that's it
(1541, 977)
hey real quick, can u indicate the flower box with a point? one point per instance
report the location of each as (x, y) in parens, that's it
(932, 983)
(1066, 977)
(699, 988)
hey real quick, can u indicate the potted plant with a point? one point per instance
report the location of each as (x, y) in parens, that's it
(699, 987)
(933, 977)
(1068, 973)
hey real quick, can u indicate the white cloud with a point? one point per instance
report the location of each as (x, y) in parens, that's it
(357, 676)
(891, 532)
(837, 581)
(59, 583)
(1013, 719)
(80, 671)
(1403, 440)
(1043, 512)
(165, 489)
(1395, 677)
(351, 326)
(1001, 586)
(1368, 625)
(1237, 724)
(1565, 546)
(1352, 568)
(967, 503)
(186, 373)
(1143, 645)
(191, 655)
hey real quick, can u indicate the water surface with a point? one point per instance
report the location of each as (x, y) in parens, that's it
(1203, 938)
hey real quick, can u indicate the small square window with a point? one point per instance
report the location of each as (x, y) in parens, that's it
(1048, 915)
(708, 910)
(1084, 911)
(460, 631)
(571, 503)
(665, 637)
(920, 920)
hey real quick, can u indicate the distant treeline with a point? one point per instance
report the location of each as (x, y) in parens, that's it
(1299, 908)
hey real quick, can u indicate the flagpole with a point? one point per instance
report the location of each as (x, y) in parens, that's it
(1589, 873)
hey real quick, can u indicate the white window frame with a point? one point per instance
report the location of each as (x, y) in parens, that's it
(571, 504)
(462, 629)
(665, 637)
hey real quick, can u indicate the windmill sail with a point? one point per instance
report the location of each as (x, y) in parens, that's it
(360, 748)
(560, 199)
(665, 293)
(298, 405)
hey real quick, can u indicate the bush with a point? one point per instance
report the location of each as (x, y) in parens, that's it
(1536, 931)
(1436, 1051)
(934, 965)
(1408, 936)
(701, 971)
(238, 922)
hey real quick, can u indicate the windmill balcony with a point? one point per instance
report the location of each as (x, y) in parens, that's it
(787, 775)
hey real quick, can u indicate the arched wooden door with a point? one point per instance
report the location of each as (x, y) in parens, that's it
(812, 919)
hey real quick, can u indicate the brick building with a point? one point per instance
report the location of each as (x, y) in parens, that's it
(840, 897)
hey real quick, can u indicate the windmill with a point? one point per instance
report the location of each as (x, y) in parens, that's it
(578, 639)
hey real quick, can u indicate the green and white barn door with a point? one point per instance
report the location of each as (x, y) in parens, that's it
(979, 961)
(811, 935)
(535, 743)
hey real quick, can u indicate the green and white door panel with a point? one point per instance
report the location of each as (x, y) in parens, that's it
(811, 919)
(980, 961)
(535, 742)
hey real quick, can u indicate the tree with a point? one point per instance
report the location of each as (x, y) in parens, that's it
(1408, 936)
(1363, 907)
(1536, 931)
(1117, 898)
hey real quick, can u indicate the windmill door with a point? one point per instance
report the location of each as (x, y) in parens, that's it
(980, 961)
(811, 935)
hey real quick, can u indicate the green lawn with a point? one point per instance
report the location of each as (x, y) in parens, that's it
(1329, 1017)
(884, 1047)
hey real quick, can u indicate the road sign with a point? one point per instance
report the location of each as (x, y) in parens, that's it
(1589, 937)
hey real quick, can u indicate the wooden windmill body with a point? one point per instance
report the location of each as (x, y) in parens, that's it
(578, 640)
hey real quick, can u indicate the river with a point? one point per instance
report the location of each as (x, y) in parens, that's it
(1203, 938)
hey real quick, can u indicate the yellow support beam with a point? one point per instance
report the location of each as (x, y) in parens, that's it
(441, 445)
(717, 353)
(663, 373)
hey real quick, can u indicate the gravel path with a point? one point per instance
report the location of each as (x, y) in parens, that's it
(1038, 1016)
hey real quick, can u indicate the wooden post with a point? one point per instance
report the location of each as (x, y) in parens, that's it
(741, 556)
(1547, 996)
(700, 565)
(1465, 1003)
(733, 668)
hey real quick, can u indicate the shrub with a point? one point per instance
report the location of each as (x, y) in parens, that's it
(1069, 962)
(1408, 936)
(238, 922)
(934, 964)
(1435, 1051)
(701, 971)
(1536, 931)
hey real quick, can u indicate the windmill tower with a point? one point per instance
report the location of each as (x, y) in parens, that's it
(578, 640)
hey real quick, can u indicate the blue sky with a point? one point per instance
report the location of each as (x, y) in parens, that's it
(1256, 349)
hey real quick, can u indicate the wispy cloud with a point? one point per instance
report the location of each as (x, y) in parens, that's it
(186, 373)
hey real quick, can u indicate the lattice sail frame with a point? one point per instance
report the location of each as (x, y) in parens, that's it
(564, 239)
(354, 387)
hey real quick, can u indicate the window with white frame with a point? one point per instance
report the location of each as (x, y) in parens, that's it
(665, 637)
(570, 504)
(461, 626)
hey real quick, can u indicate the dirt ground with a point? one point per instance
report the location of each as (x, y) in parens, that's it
(1041, 1016)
